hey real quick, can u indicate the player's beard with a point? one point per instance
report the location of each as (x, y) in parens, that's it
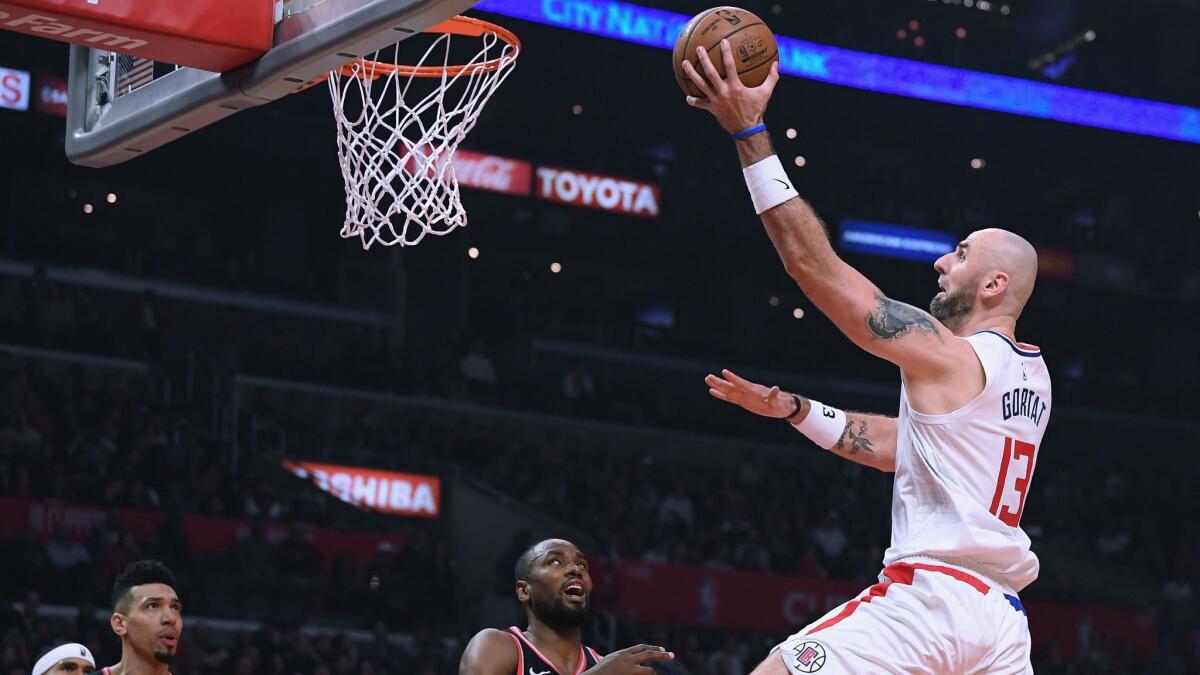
(955, 306)
(552, 610)
(164, 657)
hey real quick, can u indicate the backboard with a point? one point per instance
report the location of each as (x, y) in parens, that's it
(121, 107)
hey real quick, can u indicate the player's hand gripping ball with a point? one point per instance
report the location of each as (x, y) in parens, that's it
(752, 44)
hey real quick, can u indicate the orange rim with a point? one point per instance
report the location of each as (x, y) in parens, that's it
(459, 25)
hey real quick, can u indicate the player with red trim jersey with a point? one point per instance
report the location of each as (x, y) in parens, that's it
(555, 586)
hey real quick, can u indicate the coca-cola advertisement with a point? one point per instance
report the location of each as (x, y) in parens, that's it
(481, 171)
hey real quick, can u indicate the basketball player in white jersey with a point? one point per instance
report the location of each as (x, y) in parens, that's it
(974, 403)
(148, 617)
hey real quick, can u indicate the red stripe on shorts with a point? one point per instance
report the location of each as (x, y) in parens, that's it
(899, 573)
(902, 573)
(876, 591)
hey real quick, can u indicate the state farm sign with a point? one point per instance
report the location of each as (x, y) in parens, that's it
(579, 188)
(14, 89)
(407, 494)
(493, 173)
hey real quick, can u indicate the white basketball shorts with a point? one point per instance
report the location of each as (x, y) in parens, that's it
(920, 618)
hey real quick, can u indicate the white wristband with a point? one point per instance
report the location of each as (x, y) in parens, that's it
(769, 184)
(823, 424)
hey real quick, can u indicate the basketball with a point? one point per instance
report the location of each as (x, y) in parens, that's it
(752, 43)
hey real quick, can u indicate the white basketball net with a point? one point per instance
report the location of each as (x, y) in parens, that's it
(396, 144)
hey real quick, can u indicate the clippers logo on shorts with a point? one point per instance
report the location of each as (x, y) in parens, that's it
(809, 657)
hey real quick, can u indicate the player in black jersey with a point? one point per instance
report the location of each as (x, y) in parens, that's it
(555, 587)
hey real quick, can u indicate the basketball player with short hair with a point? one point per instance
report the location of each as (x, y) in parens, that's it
(974, 403)
(71, 657)
(148, 617)
(554, 585)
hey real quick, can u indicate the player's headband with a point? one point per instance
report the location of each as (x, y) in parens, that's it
(71, 650)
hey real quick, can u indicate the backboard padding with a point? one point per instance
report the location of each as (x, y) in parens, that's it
(103, 130)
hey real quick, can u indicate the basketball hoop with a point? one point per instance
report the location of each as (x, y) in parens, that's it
(397, 138)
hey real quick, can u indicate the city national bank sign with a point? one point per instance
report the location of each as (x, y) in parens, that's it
(405, 494)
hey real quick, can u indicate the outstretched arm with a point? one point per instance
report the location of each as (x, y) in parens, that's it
(908, 337)
(867, 439)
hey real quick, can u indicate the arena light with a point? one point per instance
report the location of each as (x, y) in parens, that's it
(978, 163)
(797, 313)
(577, 109)
(800, 161)
(773, 301)
(111, 198)
(88, 208)
(556, 267)
(878, 73)
(791, 133)
(472, 253)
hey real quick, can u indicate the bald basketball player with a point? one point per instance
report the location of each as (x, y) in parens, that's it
(554, 585)
(974, 403)
(148, 617)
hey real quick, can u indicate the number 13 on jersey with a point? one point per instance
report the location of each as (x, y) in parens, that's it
(1013, 449)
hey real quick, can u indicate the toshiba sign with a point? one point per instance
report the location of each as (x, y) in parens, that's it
(406, 494)
(579, 188)
(493, 173)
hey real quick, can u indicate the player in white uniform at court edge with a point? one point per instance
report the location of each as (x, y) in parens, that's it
(974, 403)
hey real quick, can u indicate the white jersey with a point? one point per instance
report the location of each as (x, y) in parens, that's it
(962, 478)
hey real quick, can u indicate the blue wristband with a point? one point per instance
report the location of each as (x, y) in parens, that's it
(749, 132)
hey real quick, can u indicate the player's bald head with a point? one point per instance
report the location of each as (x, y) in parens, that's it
(1010, 254)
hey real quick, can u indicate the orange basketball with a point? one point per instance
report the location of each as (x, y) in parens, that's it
(752, 43)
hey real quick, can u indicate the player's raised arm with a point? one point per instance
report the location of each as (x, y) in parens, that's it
(908, 337)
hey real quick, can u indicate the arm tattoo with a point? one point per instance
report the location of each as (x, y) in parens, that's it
(857, 441)
(893, 319)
